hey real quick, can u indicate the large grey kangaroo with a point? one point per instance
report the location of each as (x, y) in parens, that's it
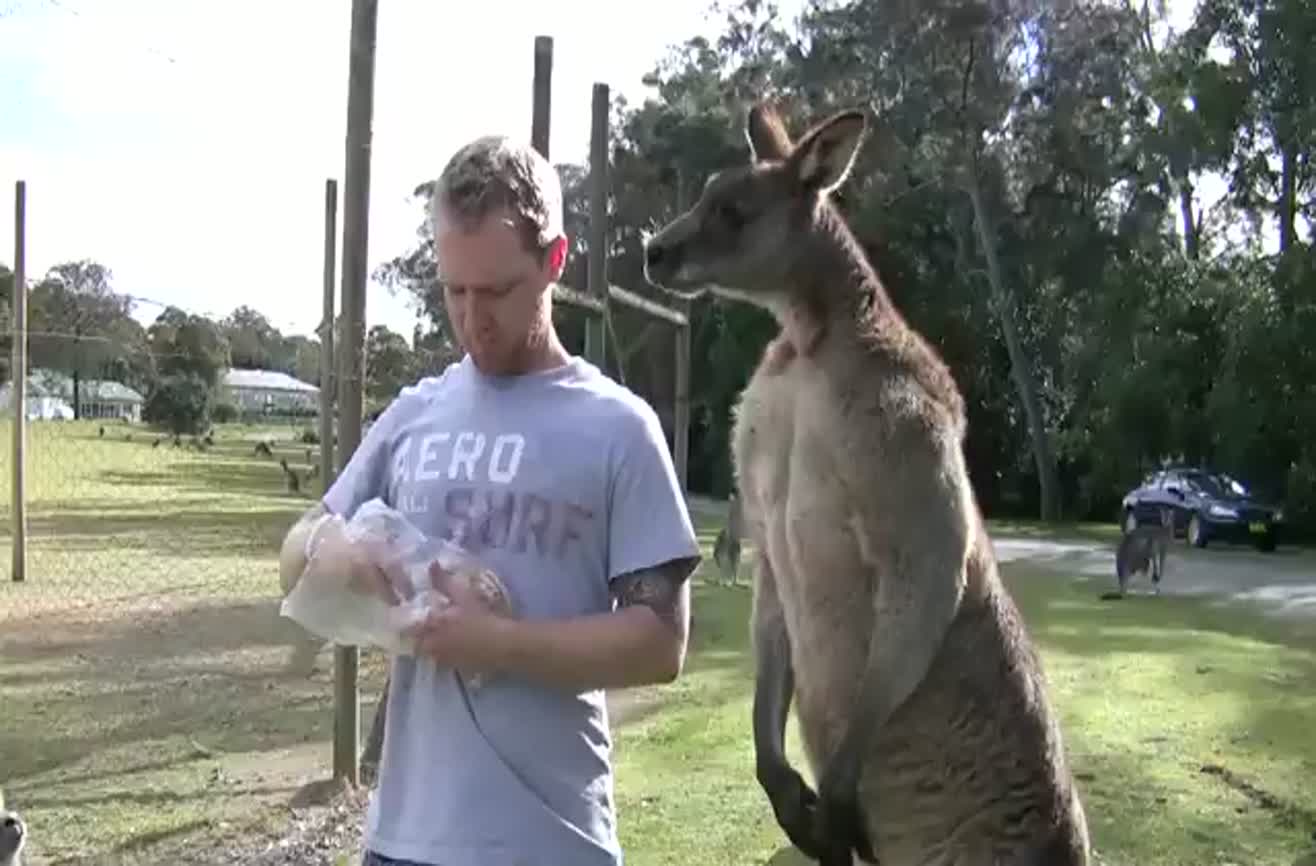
(877, 605)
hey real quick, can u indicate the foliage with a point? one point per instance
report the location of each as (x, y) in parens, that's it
(1032, 195)
(180, 403)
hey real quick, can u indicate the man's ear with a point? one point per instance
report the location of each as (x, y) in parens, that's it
(824, 156)
(555, 258)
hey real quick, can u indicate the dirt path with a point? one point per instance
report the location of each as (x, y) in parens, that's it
(1282, 583)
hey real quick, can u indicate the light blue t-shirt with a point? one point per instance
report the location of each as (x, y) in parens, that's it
(571, 476)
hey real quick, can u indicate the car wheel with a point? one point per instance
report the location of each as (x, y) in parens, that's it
(1130, 520)
(1266, 542)
(1196, 535)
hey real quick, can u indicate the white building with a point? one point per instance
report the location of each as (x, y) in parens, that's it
(268, 392)
(97, 398)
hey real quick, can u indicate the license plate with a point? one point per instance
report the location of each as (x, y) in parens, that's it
(1258, 528)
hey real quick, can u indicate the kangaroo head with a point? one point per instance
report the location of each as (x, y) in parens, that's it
(748, 232)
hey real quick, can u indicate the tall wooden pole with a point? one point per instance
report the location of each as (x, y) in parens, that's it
(543, 94)
(681, 415)
(18, 382)
(356, 206)
(327, 380)
(596, 329)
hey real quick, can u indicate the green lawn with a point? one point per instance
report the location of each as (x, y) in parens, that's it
(145, 707)
(141, 662)
(1152, 690)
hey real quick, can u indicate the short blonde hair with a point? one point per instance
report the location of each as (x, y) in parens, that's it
(493, 173)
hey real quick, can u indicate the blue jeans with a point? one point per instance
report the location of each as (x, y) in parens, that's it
(370, 858)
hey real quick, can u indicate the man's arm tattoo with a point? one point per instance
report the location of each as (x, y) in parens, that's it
(662, 588)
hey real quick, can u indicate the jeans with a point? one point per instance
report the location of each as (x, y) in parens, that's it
(370, 858)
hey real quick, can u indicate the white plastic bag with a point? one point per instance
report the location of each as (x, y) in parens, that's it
(367, 579)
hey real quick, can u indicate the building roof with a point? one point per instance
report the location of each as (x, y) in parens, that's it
(44, 381)
(270, 380)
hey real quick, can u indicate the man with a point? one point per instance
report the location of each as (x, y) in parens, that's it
(561, 479)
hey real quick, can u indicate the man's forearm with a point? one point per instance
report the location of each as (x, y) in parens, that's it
(643, 641)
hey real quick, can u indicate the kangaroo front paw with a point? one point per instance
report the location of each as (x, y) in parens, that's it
(795, 806)
(841, 827)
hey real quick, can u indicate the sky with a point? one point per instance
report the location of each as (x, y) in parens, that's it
(185, 145)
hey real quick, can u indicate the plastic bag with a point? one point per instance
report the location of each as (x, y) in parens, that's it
(369, 578)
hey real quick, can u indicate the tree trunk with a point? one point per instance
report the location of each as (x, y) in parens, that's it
(1003, 301)
(1191, 246)
(1288, 194)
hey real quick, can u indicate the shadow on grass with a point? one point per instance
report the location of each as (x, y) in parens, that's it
(209, 678)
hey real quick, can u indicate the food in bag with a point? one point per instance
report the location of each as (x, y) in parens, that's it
(368, 579)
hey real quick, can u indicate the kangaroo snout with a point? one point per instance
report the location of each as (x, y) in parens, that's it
(660, 262)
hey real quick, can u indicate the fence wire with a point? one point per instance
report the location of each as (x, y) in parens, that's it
(147, 679)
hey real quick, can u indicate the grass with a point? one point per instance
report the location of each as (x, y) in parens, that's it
(1151, 691)
(141, 661)
(145, 708)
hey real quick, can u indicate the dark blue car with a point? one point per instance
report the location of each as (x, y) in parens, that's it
(1207, 506)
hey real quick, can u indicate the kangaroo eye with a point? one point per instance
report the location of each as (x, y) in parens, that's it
(730, 215)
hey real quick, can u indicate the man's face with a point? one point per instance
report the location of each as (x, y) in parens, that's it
(494, 289)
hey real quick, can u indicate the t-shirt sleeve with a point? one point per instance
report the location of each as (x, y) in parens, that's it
(649, 523)
(366, 474)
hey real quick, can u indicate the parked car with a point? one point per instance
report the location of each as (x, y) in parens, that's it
(1207, 505)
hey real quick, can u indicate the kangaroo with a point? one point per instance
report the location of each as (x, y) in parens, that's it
(877, 606)
(13, 836)
(294, 481)
(1143, 550)
(726, 549)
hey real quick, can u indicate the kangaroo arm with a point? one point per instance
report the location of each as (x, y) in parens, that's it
(792, 801)
(920, 578)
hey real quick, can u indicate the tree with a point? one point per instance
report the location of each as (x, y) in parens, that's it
(389, 363)
(190, 352)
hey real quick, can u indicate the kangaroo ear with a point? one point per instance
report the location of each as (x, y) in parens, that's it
(824, 157)
(766, 133)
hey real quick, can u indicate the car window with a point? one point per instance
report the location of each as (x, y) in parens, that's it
(1207, 484)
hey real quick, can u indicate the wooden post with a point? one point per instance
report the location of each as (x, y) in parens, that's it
(327, 425)
(681, 411)
(356, 205)
(18, 382)
(596, 327)
(543, 94)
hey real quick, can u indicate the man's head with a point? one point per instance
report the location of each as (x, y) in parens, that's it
(496, 211)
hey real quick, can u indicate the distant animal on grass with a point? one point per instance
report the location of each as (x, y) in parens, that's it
(294, 481)
(13, 836)
(878, 608)
(726, 549)
(263, 449)
(1142, 551)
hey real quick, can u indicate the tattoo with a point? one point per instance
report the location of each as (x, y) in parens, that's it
(662, 588)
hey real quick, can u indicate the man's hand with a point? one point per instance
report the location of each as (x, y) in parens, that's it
(641, 642)
(462, 634)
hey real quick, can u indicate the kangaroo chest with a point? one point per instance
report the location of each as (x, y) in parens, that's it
(798, 513)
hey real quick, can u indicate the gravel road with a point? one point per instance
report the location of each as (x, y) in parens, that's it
(1281, 583)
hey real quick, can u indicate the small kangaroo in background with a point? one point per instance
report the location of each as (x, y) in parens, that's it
(726, 549)
(922, 704)
(13, 836)
(1143, 550)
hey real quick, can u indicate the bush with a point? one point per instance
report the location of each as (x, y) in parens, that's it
(180, 403)
(224, 413)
